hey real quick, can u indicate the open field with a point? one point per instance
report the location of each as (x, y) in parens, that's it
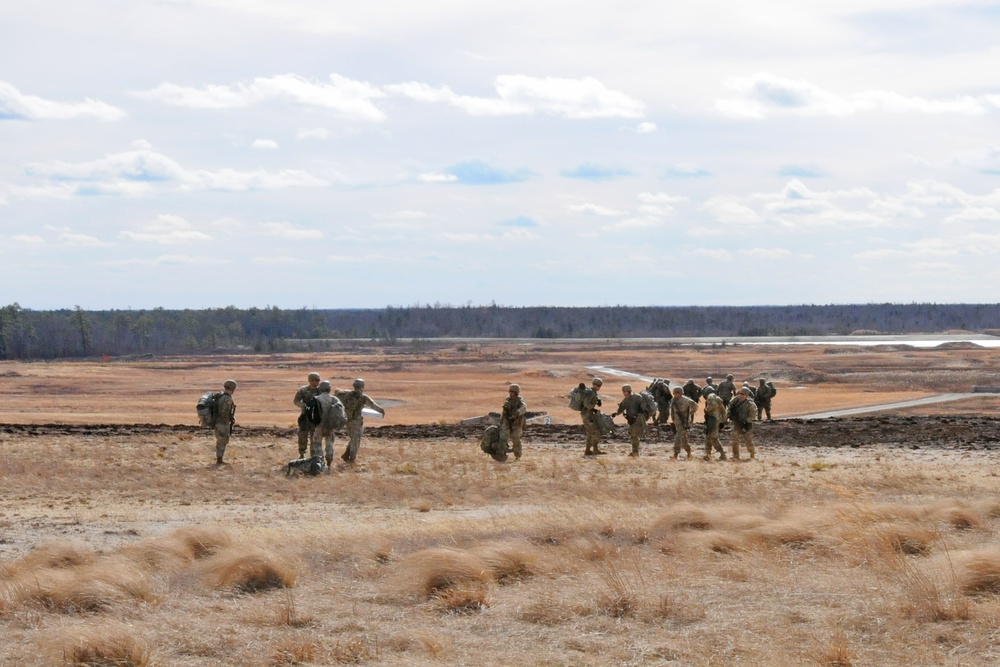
(864, 541)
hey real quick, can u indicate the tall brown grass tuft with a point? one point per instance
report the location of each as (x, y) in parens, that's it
(779, 533)
(979, 573)
(431, 570)
(682, 516)
(294, 651)
(961, 518)
(202, 541)
(250, 570)
(837, 653)
(509, 561)
(93, 588)
(465, 599)
(100, 649)
(52, 555)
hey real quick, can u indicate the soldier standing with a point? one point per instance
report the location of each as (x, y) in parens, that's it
(742, 412)
(715, 417)
(322, 436)
(306, 428)
(709, 386)
(588, 413)
(632, 406)
(726, 390)
(354, 402)
(225, 419)
(762, 397)
(661, 394)
(692, 391)
(682, 414)
(512, 420)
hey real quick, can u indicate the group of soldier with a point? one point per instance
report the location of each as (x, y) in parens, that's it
(317, 437)
(678, 405)
(724, 403)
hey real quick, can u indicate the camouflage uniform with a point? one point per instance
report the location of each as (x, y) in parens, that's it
(322, 437)
(631, 406)
(715, 417)
(682, 414)
(692, 391)
(225, 417)
(588, 413)
(661, 393)
(726, 390)
(512, 421)
(709, 386)
(762, 397)
(742, 412)
(354, 402)
(306, 428)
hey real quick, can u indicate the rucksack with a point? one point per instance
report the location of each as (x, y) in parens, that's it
(649, 406)
(491, 444)
(207, 408)
(338, 415)
(576, 399)
(314, 410)
(605, 423)
(774, 390)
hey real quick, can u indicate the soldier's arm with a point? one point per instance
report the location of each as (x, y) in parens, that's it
(374, 406)
(299, 403)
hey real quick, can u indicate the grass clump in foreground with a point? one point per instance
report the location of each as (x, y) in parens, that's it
(625, 562)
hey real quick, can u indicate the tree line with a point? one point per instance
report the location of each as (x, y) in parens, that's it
(35, 334)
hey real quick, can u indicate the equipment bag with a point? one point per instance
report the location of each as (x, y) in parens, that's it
(207, 408)
(605, 422)
(576, 399)
(491, 444)
(772, 388)
(314, 410)
(648, 403)
(338, 415)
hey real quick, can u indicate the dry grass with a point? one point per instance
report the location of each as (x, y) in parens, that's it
(104, 648)
(430, 571)
(979, 573)
(250, 569)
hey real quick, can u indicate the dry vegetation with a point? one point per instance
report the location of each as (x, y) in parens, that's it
(118, 550)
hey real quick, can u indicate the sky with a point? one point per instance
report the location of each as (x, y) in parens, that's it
(316, 154)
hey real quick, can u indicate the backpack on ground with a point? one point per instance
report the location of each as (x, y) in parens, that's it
(491, 444)
(605, 423)
(207, 408)
(649, 406)
(576, 399)
(314, 410)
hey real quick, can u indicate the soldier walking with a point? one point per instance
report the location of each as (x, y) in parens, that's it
(512, 420)
(742, 412)
(306, 428)
(322, 436)
(715, 417)
(682, 414)
(726, 390)
(762, 397)
(632, 407)
(354, 402)
(225, 419)
(588, 413)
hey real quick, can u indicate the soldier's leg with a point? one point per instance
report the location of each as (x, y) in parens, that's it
(748, 436)
(355, 443)
(315, 443)
(504, 436)
(515, 437)
(593, 438)
(679, 435)
(221, 440)
(735, 441)
(328, 446)
(303, 441)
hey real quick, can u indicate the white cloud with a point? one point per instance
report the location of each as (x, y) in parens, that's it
(166, 260)
(143, 172)
(594, 209)
(312, 133)
(350, 98)
(166, 230)
(437, 177)
(264, 144)
(80, 240)
(277, 260)
(645, 128)
(716, 254)
(288, 230)
(27, 240)
(774, 254)
(764, 93)
(17, 105)
(660, 198)
(520, 94)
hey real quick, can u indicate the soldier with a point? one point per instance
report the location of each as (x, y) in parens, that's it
(742, 412)
(682, 413)
(306, 428)
(661, 394)
(715, 417)
(354, 402)
(225, 419)
(762, 397)
(749, 387)
(692, 391)
(512, 420)
(588, 413)
(632, 407)
(322, 437)
(726, 390)
(709, 386)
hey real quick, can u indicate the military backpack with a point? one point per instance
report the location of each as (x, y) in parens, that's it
(208, 408)
(314, 410)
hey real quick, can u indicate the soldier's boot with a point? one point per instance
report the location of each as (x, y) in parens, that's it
(706, 457)
(752, 451)
(722, 456)
(688, 450)
(218, 461)
(329, 461)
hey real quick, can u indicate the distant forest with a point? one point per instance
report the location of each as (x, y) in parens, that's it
(31, 334)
